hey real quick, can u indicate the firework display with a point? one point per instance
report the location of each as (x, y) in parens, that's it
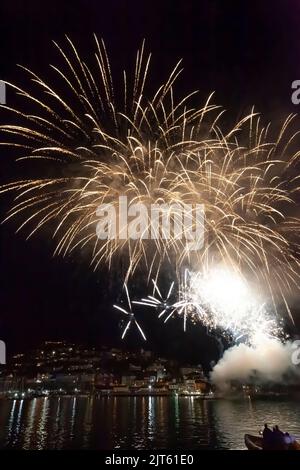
(88, 145)
(131, 317)
(219, 300)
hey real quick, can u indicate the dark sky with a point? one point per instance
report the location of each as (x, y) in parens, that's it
(248, 51)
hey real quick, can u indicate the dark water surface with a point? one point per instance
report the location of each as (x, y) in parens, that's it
(138, 422)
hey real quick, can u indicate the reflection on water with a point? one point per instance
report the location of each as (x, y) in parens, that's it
(138, 422)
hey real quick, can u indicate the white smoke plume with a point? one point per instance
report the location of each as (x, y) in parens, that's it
(269, 361)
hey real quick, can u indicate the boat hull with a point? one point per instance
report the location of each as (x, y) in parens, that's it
(256, 443)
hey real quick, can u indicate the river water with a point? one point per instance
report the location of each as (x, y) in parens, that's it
(139, 422)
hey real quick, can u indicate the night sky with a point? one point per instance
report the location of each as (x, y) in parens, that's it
(247, 51)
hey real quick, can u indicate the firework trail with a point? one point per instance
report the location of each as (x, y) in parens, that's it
(87, 145)
(158, 302)
(131, 316)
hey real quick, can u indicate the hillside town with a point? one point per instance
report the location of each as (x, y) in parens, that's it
(62, 368)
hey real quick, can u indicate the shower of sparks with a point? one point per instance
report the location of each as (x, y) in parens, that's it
(130, 315)
(220, 300)
(88, 144)
(187, 306)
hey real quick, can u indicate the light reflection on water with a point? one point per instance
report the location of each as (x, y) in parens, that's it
(138, 422)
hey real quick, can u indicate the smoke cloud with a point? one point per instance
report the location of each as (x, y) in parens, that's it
(270, 361)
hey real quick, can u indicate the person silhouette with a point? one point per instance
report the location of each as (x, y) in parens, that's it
(278, 438)
(267, 437)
